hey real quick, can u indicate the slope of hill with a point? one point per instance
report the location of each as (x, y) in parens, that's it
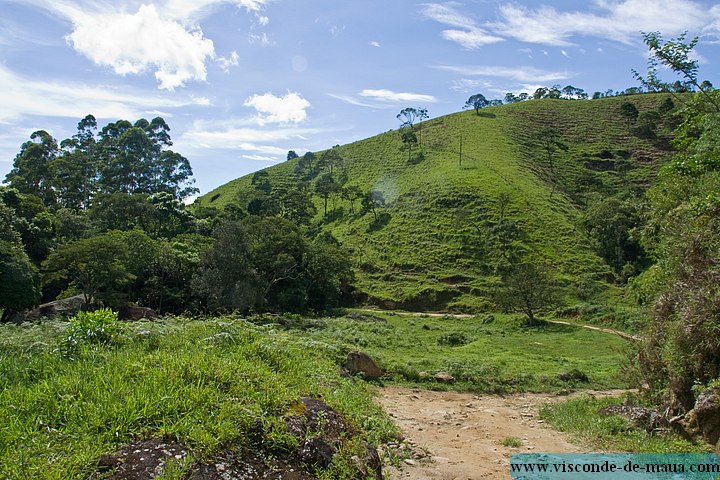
(447, 216)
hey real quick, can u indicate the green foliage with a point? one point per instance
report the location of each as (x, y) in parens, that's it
(268, 263)
(580, 418)
(96, 265)
(18, 278)
(202, 382)
(93, 328)
(477, 102)
(683, 338)
(453, 339)
(511, 442)
(611, 223)
(527, 288)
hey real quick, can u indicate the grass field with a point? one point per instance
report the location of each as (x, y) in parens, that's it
(488, 353)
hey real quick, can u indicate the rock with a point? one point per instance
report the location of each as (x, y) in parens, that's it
(358, 362)
(316, 416)
(133, 313)
(640, 416)
(704, 419)
(65, 307)
(444, 377)
(707, 408)
(316, 452)
(372, 460)
(423, 375)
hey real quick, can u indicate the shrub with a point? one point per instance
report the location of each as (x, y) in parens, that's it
(453, 339)
(100, 327)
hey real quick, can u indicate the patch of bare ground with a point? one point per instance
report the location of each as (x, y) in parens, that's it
(463, 433)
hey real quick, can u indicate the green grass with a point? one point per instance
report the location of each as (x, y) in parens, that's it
(203, 382)
(426, 256)
(500, 356)
(511, 442)
(580, 418)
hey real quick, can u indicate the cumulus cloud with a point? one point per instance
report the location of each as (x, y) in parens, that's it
(134, 36)
(134, 43)
(290, 108)
(466, 32)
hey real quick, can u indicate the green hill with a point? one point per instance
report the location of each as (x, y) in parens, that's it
(447, 219)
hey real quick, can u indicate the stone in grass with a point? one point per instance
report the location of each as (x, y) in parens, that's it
(362, 363)
(444, 377)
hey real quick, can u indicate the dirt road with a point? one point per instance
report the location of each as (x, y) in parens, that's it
(463, 432)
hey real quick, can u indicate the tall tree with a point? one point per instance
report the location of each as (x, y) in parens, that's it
(32, 172)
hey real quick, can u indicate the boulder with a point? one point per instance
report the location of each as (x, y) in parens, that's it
(444, 377)
(132, 313)
(362, 363)
(316, 452)
(704, 420)
(65, 307)
(640, 416)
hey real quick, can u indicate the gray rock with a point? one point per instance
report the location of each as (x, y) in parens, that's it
(444, 377)
(362, 363)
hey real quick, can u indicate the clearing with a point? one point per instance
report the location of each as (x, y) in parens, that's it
(464, 432)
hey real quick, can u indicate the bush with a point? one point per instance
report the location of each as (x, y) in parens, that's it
(453, 339)
(100, 327)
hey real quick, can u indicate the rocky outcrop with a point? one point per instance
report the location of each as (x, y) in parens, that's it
(358, 363)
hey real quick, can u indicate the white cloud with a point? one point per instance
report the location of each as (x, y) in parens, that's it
(467, 85)
(263, 39)
(135, 36)
(621, 21)
(261, 158)
(289, 108)
(23, 96)
(134, 43)
(519, 74)
(466, 32)
(202, 101)
(374, 44)
(384, 95)
(226, 63)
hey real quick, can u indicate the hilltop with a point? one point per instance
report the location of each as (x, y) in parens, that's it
(528, 176)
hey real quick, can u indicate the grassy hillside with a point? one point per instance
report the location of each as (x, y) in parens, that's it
(430, 248)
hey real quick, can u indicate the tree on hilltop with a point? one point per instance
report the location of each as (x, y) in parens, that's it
(477, 102)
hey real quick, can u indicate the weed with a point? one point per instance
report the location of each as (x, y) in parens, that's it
(511, 442)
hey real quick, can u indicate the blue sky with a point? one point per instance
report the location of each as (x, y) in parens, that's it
(241, 82)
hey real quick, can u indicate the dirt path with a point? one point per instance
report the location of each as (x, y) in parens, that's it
(463, 432)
